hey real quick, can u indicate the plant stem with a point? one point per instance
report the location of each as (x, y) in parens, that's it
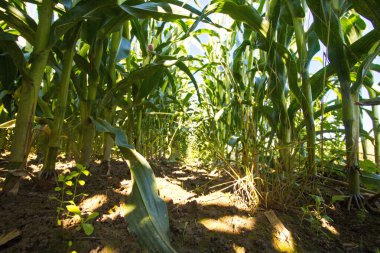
(59, 113)
(376, 127)
(88, 128)
(29, 94)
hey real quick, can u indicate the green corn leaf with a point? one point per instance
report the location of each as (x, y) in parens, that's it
(7, 36)
(318, 114)
(82, 11)
(219, 114)
(370, 101)
(124, 49)
(8, 124)
(84, 65)
(356, 51)
(370, 181)
(299, 11)
(9, 45)
(150, 76)
(369, 9)
(149, 83)
(329, 30)
(369, 166)
(45, 109)
(112, 24)
(248, 15)
(192, 10)
(365, 67)
(8, 73)
(139, 31)
(238, 62)
(243, 13)
(268, 114)
(185, 69)
(160, 11)
(19, 20)
(66, 3)
(147, 216)
(201, 31)
(312, 44)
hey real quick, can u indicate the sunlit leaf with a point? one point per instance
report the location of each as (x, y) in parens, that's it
(149, 218)
(8, 124)
(73, 209)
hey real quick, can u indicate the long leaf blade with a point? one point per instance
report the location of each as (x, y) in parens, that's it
(148, 215)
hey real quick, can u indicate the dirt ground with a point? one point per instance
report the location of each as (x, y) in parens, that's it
(201, 218)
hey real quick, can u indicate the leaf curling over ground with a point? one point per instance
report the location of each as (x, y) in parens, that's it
(147, 214)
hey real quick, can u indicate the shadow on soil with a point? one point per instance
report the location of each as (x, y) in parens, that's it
(200, 220)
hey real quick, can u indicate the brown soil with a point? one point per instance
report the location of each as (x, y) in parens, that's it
(201, 220)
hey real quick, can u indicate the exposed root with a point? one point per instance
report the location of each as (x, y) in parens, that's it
(107, 165)
(47, 175)
(356, 200)
(373, 203)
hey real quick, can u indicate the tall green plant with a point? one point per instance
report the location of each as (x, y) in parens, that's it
(69, 44)
(297, 14)
(29, 94)
(376, 126)
(329, 30)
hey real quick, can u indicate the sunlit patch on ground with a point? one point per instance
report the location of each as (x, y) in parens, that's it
(92, 203)
(105, 249)
(222, 199)
(117, 211)
(125, 187)
(326, 224)
(203, 222)
(282, 238)
(172, 192)
(35, 168)
(186, 178)
(238, 249)
(233, 224)
(179, 172)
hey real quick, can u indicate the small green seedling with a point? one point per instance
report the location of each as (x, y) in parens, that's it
(67, 190)
(315, 213)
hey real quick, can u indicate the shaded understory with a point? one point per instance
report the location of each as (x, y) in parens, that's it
(201, 218)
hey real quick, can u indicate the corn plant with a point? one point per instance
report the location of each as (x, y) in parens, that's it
(86, 72)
